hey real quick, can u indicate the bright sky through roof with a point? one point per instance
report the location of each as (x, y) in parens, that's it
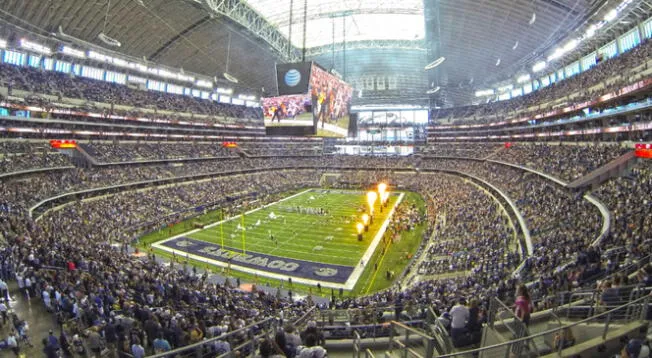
(365, 19)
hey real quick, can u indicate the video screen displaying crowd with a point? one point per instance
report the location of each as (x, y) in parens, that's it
(68, 86)
(614, 73)
(470, 248)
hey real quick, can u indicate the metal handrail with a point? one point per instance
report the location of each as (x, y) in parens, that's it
(410, 329)
(299, 321)
(643, 300)
(211, 340)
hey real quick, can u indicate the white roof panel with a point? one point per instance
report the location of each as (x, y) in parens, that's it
(329, 20)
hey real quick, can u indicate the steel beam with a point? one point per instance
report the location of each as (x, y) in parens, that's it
(414, 45)
(253, 22)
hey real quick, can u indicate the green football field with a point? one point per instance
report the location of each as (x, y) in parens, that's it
(300, 230)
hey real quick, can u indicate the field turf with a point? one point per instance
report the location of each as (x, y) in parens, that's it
(328, 238)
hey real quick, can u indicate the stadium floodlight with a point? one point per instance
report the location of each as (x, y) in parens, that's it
(222, 90)
(611, 15)
(204, 83)
(230, 78)
(523, 78)
(591, 31)
(371, 200)
(482, 93)
(539, 66)
(435, 63)
(35, 47)
(247, 97)
(571, 45)
(67, 50)
(556, 54)
(108, 40)
(3, 43)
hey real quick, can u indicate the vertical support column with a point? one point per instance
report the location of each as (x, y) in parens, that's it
(344, 47)
(305, 29)
(290, 29)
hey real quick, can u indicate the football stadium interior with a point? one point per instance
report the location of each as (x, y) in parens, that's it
(303, 178)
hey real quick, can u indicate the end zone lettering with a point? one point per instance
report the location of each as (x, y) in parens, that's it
(262, 262)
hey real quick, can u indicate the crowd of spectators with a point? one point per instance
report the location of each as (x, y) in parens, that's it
(70, 86)
(567, 162)
(148, 151)
(613, 74)
(114, 293)
(628, 199)
(467, 150)
(275, 149)
(472, 235)
(470, 251)
(20, 156)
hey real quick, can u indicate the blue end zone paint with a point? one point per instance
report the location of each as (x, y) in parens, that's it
(276, 264)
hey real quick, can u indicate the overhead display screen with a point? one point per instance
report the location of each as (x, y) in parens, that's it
(293, 78)
(322, 109)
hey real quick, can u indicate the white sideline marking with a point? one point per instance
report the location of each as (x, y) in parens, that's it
(348, 285)
(357, 272)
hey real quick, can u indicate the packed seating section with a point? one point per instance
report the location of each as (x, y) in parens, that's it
(614, 73)
(469, 241)
(77, 261)
(65, 85)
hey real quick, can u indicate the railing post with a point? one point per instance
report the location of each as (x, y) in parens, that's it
(492, 312)
(391, 337)
(646, 306)
(430, 349)
(606, 327)
(407, 339)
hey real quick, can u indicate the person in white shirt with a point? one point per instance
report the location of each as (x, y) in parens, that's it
(459, 317)
(4, 290)
(28, 288)
(4, 311)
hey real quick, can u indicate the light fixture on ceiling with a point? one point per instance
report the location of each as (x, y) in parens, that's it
(539, 66)
(104, 37)
(226, 74)
(533, 19)
(435, 63)
(433, 90)
(515, 46)
(498, 62)
(611, 15)
(523, 78)
(108, 40)
(230, 78)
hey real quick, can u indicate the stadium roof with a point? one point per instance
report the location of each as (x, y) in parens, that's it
(329, 21)
(194, 35)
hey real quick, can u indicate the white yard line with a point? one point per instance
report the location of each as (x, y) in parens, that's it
(157, 244)
(348, 285)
